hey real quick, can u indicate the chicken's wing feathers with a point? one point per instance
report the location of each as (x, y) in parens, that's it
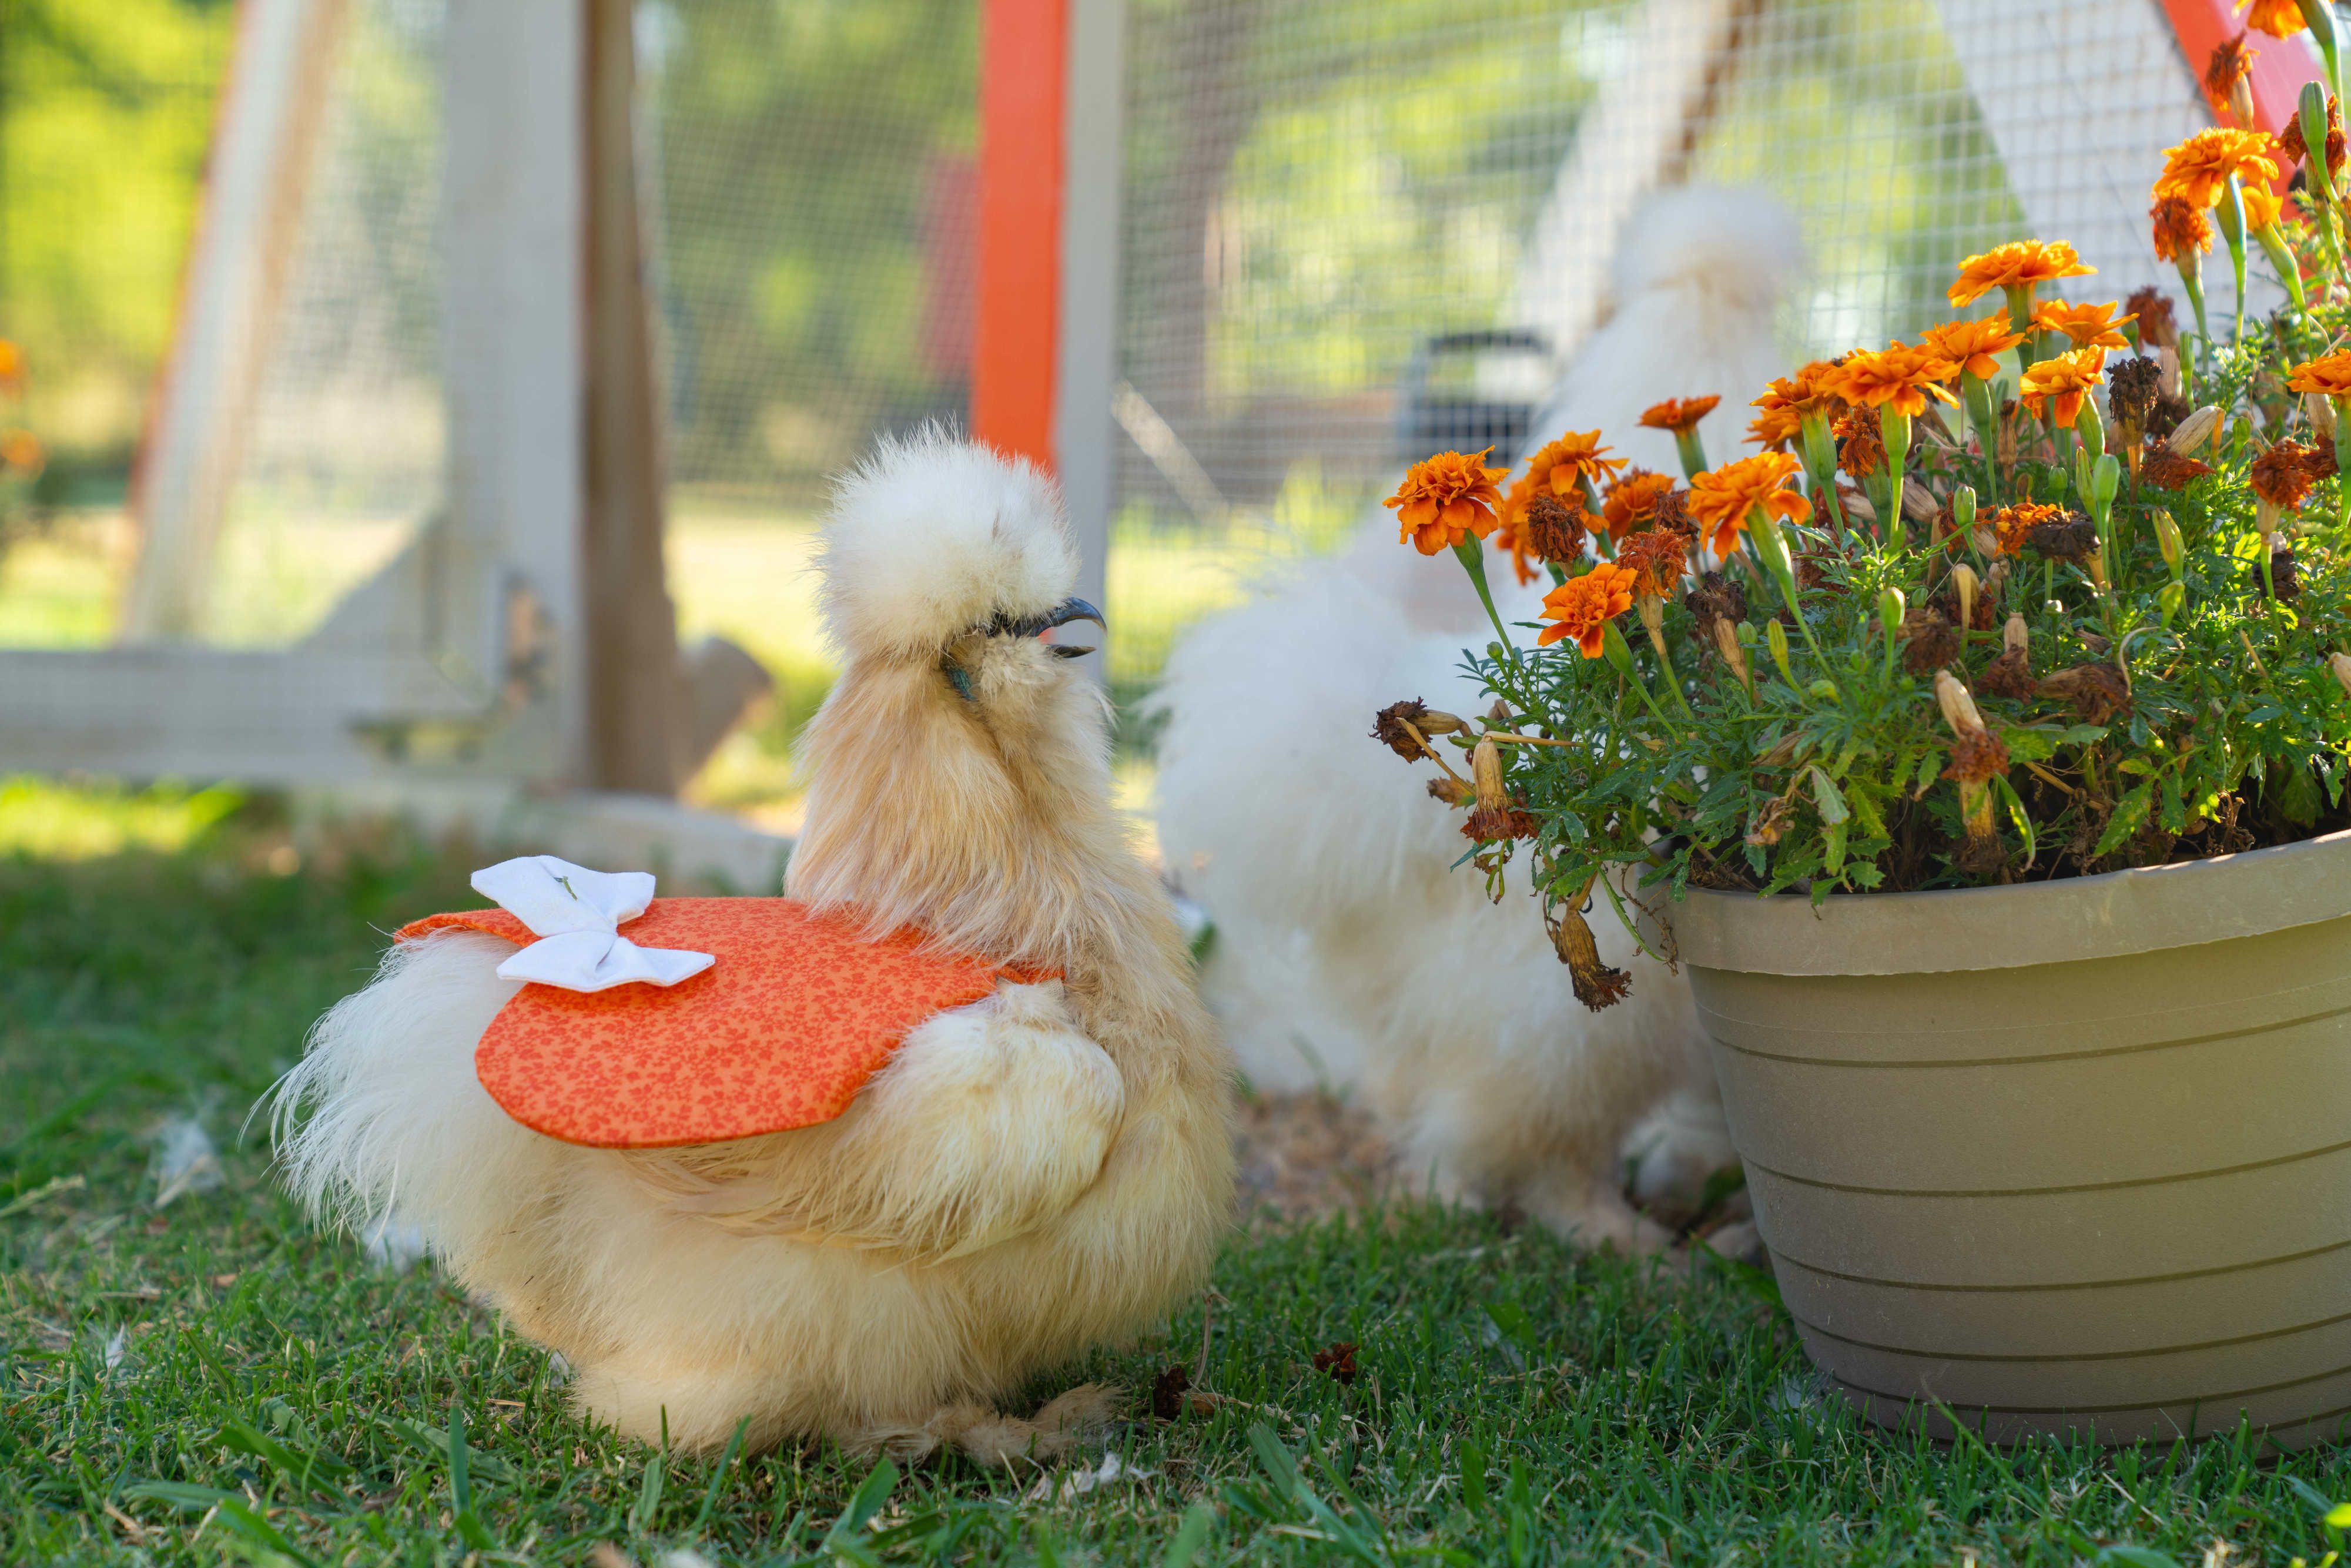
(989, 1121)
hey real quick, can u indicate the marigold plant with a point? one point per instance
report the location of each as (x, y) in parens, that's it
(2092, 613)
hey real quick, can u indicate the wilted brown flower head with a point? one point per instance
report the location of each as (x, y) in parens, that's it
(1716, 598)
(1672, 514)
(2284, 574)
(1930, 640)
(1489, 824)
(1395, 725)
(2012, 527)
(2283, 474)
(1658, 560)
(1597, 986)
(1977, 757)
(2157, 327)
(2095, 691)
(1861, 443)
(2132, 387)
(2010, 676)
(2180, 227)
(2170, 409)
(2296, 149)
(2231, 64)
(1555, 528)
(2069, 536)
(2167, 470)
(1338, 1361)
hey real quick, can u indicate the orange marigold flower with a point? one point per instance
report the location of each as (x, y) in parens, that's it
(1970, 345)
(1555, 470)
(1899, 374)
(1679, 414)
(2283, 474)
(2180, 227)
(2278, 19)
(1720, 499)
(1787, 401)
(2200, 168)
(11, 362)
(1632, 500)
(2057, 387)
(2089, 326)
(1447, 497)
(2011, 526)
(2328, 375)
(2263, 205)
(21, 450)
(2229, 64)
(1582, 608)
(1659, 559)
(2016, 264)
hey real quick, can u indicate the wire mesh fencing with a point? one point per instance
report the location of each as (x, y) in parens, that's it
(1322, 195)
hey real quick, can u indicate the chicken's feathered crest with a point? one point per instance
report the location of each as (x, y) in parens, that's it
(931, 537)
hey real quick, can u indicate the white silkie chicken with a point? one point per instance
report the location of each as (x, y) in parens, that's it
(1040, 1171)
(1347, 953)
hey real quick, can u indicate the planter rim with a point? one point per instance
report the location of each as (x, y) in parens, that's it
(1956, 929)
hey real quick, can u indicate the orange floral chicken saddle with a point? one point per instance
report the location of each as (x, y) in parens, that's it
(710, 1018)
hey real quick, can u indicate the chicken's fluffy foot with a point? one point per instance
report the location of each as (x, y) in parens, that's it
(991, 1438)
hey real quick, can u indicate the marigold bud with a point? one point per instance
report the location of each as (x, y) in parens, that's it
(1889, 610)
(2340, 664)
(1957, 705)
(1486, 770)
(2198, 429)
(1775, 637)
(1964, 583)
(2014, 636)
(1726, 642)
(1963, 508)
(2167, 539)
(2106, 480)
(2320, 408)
(1436, 721)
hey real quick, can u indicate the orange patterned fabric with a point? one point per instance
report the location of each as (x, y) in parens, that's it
(782, 1031)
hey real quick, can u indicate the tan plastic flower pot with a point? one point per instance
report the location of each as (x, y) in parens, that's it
(2073, 1157)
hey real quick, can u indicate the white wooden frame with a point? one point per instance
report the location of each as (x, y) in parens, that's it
(466, 655)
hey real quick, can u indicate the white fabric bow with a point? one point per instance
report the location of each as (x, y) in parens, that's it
(577, 913)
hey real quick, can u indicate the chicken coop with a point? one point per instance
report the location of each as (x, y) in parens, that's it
(493, 307)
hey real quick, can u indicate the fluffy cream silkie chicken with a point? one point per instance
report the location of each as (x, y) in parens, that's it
(1041, 1171)
(1348, 952)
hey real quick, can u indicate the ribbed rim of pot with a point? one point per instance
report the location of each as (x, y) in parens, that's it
(2104, 916)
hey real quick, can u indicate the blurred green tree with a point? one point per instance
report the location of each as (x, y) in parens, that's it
(105, 111)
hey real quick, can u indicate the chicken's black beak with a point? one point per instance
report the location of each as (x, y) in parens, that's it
(1062, 615)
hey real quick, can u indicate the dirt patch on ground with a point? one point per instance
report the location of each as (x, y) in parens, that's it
(1306, 1155)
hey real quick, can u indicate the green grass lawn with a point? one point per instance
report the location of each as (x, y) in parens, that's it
(216, 1381)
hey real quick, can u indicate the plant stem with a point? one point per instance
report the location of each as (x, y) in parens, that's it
(1472, 553)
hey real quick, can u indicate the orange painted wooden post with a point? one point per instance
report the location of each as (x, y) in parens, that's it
(1052, 96)
(2280, 65)
(1024, 53)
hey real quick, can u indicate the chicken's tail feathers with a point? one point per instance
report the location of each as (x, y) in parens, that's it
(383, 1113)
(990, 1437)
